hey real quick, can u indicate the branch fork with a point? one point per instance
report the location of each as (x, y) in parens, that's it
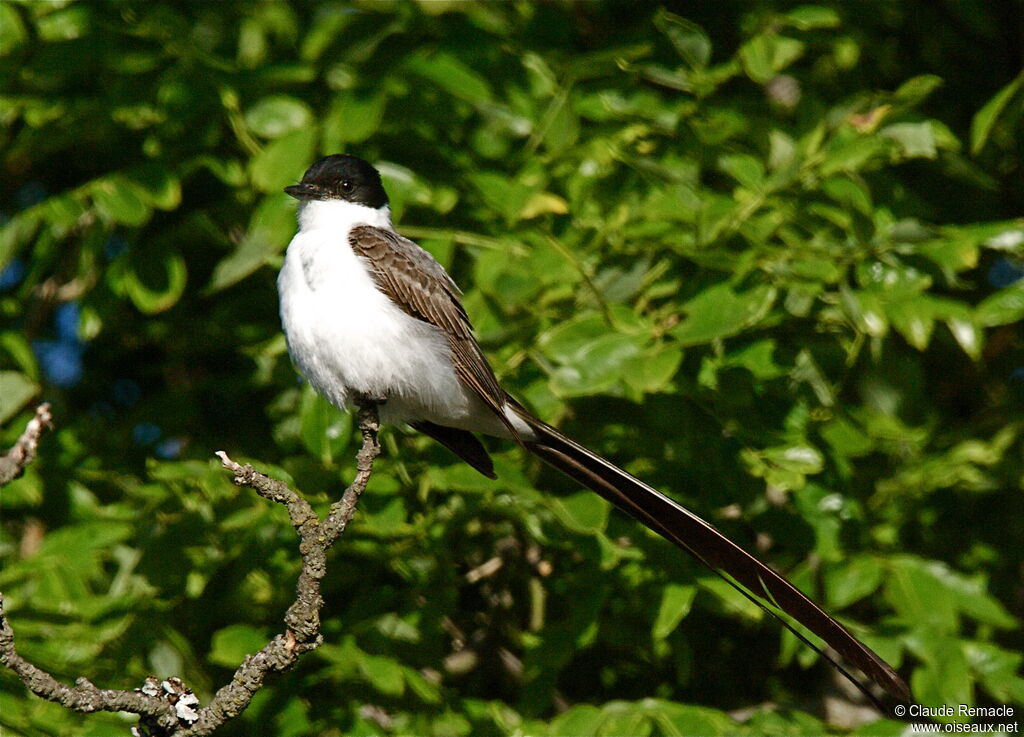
(169, 708)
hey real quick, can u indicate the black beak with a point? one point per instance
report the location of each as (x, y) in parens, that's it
(305, 191)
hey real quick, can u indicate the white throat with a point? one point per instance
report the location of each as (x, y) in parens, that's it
(340, 215)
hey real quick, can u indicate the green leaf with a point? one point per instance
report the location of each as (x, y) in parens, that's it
(1009, 240)
(156, 185)
(228, 171)
(118, 200)
(970, 596)
(679, 720)
(274, 116)
(283, 160)
(853, 580)
(543, 203)
(846, 438)
(866, 311)
(16, 390)
(892, 282)
(562, 130)
(799, 459)
(325, 428)
(1002, 308)
(270, 227)
(785, 466)
(919, 597)
(451, 75)
(18, 232)
(389, 520)
(156, 283)
(352, 118)
(598, 366)
(968, 335)
(78, 545)
(765, 56)
(502, 193)
(623, 718)
(676, 602)
(744, 168)
(914, 319)
(19, 353)
(730, 600)
(985, 119)
(292, 720)
(756, 56)
(758, 358)
(12, 30)
(809, 17)
(564, 342)
(427, 691)
(916, 140)
(719, 312)
(916, 89)
(65, 24)
(998, 669)
(944, 677)
(581, 512)
(231, 644)
(449, 724)
(24, 491)
(852, 154)
(326, 28)
(653, 371)
(850, 192)
(583, 719)
(689, 39)
(384, 674)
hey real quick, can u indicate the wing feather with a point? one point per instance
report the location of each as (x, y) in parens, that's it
(420, 287)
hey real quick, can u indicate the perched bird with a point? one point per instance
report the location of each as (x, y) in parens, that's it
(368, 313)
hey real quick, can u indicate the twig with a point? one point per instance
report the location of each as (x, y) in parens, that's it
(302, 620)
(167, 707)
(84, 697)
(23, 452)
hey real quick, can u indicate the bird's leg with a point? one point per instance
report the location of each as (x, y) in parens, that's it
(367, 412)
(365, 401)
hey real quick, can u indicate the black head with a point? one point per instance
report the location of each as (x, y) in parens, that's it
(341, 177)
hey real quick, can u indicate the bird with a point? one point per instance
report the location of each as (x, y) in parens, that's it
(368, 313)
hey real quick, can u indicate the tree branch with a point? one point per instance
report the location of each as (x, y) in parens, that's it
(167, 707)
(84, 697)
(23, 452)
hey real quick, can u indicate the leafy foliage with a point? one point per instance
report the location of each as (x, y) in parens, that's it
(747, 255)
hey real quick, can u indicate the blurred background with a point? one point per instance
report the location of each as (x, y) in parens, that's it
(766, 255)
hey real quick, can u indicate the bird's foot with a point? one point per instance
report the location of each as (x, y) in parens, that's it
(364, 401)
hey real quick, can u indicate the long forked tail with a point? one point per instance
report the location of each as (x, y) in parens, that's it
(682, 527)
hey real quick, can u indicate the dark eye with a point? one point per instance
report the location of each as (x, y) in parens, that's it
(347, 187)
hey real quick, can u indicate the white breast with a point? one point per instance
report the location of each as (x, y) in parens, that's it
(347, 337)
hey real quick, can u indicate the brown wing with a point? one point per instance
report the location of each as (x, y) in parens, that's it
(420, 286)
